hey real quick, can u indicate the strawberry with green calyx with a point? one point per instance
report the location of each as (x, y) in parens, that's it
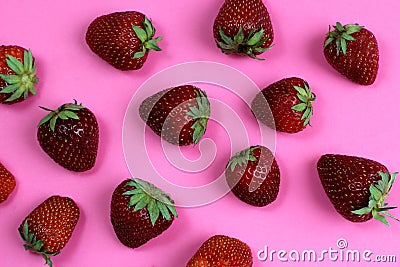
(243, 27)
(379, 192)
(222, 251)
(353, 51)
(286, 105)
(140, 212)
(253, 176)
(70, 136)
(357, 187)
(17, 74)
(123, 39)
(49, 227)
(7, 183)
(179, 114)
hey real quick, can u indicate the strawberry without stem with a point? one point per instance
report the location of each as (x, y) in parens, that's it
(123, 39)
(357, 187)
(353, 51)
(70, 136)
(179, 115)
(48, 228)
(140, 212)
(7, 183)
(17, 74)
(222, 251)
(243, 27)
(253, 176)
(285, 105)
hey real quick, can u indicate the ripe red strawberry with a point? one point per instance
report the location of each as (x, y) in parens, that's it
(7, 183)
(17, 74)
(222, 251)
(285, 105)
(70, 136)
(140, 212)
(357, 187)
(353, 51)
(123, 39)
(48, 228)
(179, 115)
(253, 176)
(243, 27)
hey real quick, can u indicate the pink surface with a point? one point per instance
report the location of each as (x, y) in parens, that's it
(349, 119)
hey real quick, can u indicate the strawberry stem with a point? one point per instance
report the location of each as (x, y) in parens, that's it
(23, 81)
(379, 192)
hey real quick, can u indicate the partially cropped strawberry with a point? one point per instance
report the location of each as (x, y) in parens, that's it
(243, 27)
(357, 187)
(48, 228)
(353, 51)
(17, 74)
(123, 39)
(140, 212)
(285, 105)
(70, 136)
(7, 183)
(222, 251)
(253, 176)
(179, 115)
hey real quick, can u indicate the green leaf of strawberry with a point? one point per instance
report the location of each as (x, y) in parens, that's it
(379, 192)
(19, 74)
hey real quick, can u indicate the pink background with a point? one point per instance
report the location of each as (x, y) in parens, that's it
(349, 119)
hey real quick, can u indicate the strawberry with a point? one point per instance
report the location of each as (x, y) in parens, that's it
(285, 105)
(7, 183)
(243, 27)
(222, 251)
(123, 39)
(179, 114)
(48, 228)
(140, 212)
(70, 136)
(253, 176)
(17, 74)
(353, 51)
(357, 187)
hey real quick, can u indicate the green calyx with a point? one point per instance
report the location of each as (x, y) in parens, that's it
(379, 193)
(23, 81)
(64, 112)
(200, 115)
(35, 245)
(145, 35)
(146, 195)
(306, 97)
(241, 158)
(244, 45)
(341, 35)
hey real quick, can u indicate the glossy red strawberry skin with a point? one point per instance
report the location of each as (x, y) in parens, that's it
(74, 143)
(53, 222)
(248, 14)
(111, 37)
(133, 228)
(257, 182)
(5, 51)
(361, 61)
(7, 183)
(273, 106)
(346, 181)
(166, 113)
(222, 251)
